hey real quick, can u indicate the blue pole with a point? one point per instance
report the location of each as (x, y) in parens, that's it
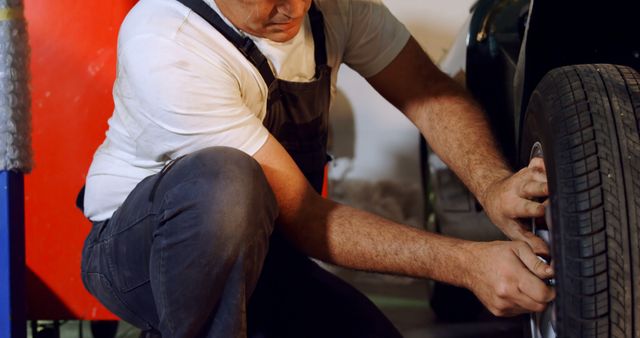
(12, 256)
(15, 159)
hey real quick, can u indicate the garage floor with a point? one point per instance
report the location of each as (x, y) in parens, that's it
(405, 302)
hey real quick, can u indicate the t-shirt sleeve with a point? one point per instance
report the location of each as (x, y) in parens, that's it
(177, 102)
(374, 37)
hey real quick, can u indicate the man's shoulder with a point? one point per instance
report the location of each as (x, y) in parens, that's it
(170, 27)
(332, 9)
(344, 8)
(342, 15)
(161, 18)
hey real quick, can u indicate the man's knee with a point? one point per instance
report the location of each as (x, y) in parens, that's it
(232, 175)
(227, 189)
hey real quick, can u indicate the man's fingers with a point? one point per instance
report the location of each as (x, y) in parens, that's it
(505, 308)
(533, 262)
(537, 163)
(517, 232)
(535, 293)
(534, 189)
(536, 244)
(525, 208)
(536, 290)
(532, 304)
(536, 170)
(538, 176)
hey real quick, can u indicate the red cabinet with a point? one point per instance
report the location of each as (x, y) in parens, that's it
(73, 57)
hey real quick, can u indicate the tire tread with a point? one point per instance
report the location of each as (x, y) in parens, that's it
(592, 111)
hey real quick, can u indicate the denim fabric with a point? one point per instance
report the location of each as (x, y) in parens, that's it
(185, 252)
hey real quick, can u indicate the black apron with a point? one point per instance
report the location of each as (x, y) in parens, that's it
(297, 112)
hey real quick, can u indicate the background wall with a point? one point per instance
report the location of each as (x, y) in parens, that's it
(381, 134)
(375, 146)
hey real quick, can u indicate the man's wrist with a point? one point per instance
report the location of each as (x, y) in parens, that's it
(470, 255)
(460, 265)
(491, 181)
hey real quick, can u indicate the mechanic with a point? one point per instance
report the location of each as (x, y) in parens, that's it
(204, 195)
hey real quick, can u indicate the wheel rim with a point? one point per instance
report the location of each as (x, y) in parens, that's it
(543, 324)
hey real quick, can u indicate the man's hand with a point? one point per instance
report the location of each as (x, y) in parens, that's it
(510, 200)
(507, 277)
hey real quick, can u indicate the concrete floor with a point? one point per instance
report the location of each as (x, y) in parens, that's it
(405, 302)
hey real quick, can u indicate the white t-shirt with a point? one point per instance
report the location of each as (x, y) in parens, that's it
(181, 86)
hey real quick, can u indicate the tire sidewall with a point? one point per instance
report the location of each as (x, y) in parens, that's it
(539, 127)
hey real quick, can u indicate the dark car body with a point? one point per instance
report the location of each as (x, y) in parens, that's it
(512, 44)
(508, 46)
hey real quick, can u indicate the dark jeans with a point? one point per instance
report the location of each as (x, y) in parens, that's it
(191, 253)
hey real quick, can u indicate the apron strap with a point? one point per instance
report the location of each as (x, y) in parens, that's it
(317, 29)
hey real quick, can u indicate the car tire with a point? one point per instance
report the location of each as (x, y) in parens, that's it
(584, 119)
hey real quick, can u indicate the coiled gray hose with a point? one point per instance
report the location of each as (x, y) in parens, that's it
(15, 99)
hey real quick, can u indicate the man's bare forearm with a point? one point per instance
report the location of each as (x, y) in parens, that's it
(356, 239)
(454, 125)
(457, 129)
(494, 271)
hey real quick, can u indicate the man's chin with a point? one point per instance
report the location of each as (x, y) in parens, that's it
(283, 34)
